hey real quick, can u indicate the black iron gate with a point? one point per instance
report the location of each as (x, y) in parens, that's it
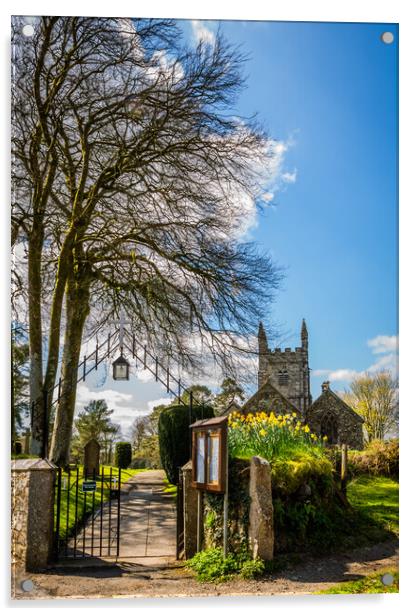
(87, 513)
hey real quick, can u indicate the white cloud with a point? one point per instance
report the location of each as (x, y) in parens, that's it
(267, 197)
(111, 396)
(384, 344)
(289, 178)
(152, 403)
(145, 376)
(341, 374)
(201, 33)
(387, 362)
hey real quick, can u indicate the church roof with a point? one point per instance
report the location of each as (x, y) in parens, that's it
(343, 405)
(268, 391)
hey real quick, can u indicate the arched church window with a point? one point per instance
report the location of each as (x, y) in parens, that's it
(329, 428)
(283, 377)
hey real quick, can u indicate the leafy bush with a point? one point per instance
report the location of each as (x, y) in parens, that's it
(378, 458)
(252, 568)
(211, 566)
(139, 463)
(123, 454)
(174, 431)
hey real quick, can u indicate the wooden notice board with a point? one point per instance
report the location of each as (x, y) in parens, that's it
(209, 451)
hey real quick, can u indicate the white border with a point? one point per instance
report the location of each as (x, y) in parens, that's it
(296, 10)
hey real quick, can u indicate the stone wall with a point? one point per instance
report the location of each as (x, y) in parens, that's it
(32, 500)
(349, 424)
(250, 511)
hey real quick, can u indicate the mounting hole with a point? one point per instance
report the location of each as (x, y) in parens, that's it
(387, 579)
(27, 585)
(28, 30)
(387, 38)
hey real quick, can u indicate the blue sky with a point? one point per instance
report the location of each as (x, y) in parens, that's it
(328, 92)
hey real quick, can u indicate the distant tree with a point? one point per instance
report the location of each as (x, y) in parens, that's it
(375, 398)
(138, 432)
(201, 395)
(94, 423)
(230, 392)
(20, 381)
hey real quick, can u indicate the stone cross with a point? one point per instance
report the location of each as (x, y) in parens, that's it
(91, 458)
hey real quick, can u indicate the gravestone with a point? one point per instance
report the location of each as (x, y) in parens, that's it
(91, 458)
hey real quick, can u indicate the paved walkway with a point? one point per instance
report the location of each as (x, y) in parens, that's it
(148, 520)
(147, 525)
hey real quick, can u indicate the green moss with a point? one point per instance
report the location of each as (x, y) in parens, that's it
(288, 475)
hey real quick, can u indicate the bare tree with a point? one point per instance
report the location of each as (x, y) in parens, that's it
(146, 175)
(375, 398)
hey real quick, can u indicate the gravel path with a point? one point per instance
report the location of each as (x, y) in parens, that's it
(172, 580)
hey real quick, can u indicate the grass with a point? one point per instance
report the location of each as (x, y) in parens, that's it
(377, 499)
(170, 488)
(370, 584)
(70, 514)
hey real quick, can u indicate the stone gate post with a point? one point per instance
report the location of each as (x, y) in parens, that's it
(32, 501)
(261, 530)
(190, 511)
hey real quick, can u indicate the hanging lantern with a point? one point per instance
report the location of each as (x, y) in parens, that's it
(121, 369)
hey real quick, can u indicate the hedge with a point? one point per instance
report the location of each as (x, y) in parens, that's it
(174, 442)
(123, 454)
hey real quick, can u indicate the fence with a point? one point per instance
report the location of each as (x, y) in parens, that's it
(87, 514)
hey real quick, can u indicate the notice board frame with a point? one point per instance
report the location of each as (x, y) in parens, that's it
(217, 426)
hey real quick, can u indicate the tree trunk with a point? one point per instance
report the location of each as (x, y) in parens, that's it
(35, 339)
(77, 303)
(56, 316)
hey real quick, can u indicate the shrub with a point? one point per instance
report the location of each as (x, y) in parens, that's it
(123, 454)
(139, 463)
(211, 566)
(378, 458)
(173, 430)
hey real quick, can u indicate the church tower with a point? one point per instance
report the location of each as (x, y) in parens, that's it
(287, 369)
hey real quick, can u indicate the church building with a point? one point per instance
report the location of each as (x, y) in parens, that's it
(284, 387)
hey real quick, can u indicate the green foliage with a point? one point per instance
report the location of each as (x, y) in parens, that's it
(252, 568)
(201, 394)
(238, 510)
(20, 380)
(320, 523)
(378, 458)
(211, 566)
(123, 454)
(174, 435)
(148, 453)
(370, 584)
(94, 422)
(230, 392)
